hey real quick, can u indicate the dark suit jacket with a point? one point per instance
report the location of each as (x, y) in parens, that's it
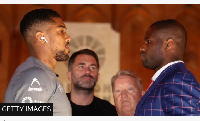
(174, 92)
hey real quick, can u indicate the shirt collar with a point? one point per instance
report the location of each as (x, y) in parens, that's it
(155, 76)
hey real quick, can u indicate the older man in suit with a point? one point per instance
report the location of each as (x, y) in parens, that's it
(174, 89)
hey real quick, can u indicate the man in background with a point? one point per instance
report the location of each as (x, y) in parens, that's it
(83, 72)
(127, 91)
(34, 81)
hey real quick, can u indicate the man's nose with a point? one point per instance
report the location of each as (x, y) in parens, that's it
(124, 93)
(142, 48)
(87, 70)
(68, 38)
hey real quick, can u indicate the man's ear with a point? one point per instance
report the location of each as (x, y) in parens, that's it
(38, 36)
(69, 75)
(169, 44)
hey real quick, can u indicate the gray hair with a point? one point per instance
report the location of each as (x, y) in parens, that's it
(127, 73)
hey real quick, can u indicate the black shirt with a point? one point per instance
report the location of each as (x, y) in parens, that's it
(98, 107)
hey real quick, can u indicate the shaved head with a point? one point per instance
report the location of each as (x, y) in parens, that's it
(35, 19)
(172, 29)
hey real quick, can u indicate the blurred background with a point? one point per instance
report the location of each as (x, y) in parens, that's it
(129, 20)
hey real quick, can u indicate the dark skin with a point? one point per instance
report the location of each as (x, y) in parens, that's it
(160, 48)
(57, 47)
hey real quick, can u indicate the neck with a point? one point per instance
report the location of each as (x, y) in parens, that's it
(50, 62)
(82, 97)
(43, 53)
(170, 57)
(166, 62)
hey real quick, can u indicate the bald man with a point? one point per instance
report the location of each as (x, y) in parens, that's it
(174, 90)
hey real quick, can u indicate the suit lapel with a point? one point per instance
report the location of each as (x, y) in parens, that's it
(147, 93)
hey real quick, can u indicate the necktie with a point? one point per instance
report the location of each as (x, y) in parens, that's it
(150, 85)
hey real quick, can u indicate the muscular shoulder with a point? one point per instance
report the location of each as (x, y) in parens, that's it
(31, 81)
(180, 76)
(180, 88)
(34, 72)
(180, 82)
(28, 76)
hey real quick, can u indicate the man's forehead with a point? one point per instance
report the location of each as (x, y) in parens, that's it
(84, 58)
(152, 32)
(127, 78)
(125, 82)
(62, 26)
(59, 22)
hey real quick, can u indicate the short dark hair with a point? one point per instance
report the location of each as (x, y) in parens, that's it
(85, 52)
(174, 30)
(35, 17)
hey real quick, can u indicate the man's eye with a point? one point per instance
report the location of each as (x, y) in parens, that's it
(81, 66)
(62, 31)
(147, 41)
(131, 90)
(117, 91)
(93, 68)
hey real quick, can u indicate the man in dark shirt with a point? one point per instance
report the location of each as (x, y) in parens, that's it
(83, 68)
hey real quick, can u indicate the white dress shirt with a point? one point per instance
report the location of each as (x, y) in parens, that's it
(155, 76)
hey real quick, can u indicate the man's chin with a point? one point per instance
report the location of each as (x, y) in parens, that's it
(145, 65)
(62, 58)
(126, 108)
(88, 87)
